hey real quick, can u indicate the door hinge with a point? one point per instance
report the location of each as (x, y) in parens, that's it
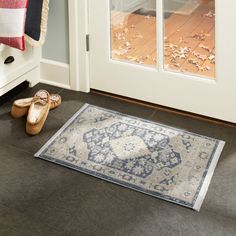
(87, 43)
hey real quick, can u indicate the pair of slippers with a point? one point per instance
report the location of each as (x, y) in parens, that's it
(36, 108)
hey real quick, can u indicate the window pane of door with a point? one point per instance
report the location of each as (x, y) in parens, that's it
(133, 31)
(189, 43)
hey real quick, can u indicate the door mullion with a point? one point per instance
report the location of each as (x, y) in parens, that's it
(160, 35)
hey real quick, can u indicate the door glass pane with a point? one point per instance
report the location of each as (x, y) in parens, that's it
(189, 43)
(133, 31)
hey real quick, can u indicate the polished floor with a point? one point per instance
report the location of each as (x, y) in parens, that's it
(40, 198)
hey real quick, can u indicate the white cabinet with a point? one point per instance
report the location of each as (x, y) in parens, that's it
(23, 68)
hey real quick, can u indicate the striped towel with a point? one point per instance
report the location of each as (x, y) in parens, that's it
(12, 22)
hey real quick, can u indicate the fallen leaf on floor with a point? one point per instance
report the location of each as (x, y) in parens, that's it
(200, 36)
(120, 52)
(210, 14)
(194, 62)
(204, 68)
(176, 65)
(199, 56)
(119, 36)
(126, 30)
(204, 47)
(138, 36)
(212, 58)
(171, 46)
(182, 53)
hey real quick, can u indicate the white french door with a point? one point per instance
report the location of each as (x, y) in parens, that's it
(176, 53)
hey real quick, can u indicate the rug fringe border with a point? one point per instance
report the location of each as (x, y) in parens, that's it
(111, 180)
(207, 180)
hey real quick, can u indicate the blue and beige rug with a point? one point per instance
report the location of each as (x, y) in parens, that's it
(168, 163)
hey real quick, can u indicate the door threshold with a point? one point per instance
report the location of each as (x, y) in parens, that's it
(166, 109)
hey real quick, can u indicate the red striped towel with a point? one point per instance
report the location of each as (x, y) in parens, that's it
(12, 22)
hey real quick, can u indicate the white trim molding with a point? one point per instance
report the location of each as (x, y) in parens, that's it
(55, 73)
(79, 58)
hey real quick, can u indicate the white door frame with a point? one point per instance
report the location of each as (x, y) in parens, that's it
(79, 58)
(226, 47)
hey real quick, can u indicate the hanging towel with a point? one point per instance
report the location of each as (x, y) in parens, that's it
(36, 22)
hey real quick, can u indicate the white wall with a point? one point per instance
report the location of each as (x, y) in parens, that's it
(56, 46)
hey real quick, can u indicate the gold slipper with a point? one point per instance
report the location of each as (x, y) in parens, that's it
(20, 107)
(38, 112)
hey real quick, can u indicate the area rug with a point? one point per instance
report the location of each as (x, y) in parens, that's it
(165, 162)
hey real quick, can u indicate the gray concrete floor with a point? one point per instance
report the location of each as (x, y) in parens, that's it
(41, 198)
